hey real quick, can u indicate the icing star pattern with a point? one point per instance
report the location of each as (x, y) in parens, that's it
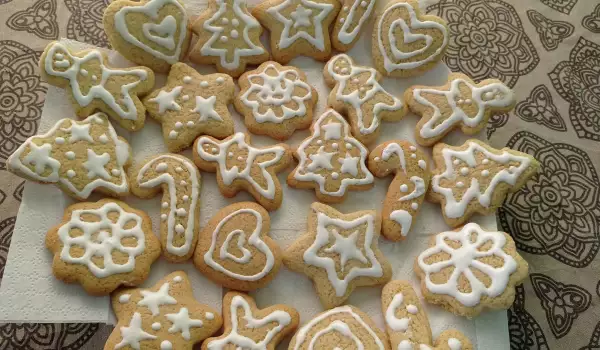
(190, 105)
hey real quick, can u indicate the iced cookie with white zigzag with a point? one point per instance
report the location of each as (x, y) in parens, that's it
(80, 157)
(235, 249)
(407, 191)
(247, 326)
(241, 166)
(165, 316)
(103, 245)
(93, 85)
(407, 323)
(179, 180)
(190, 105)
(339, 252)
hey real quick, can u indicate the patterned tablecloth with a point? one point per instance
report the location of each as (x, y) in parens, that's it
(547, 50)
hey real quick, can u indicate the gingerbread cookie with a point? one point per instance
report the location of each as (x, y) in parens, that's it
(229, 37)
(103, 245)
(240, 166)
(298, 27)
(150, 32)
(345, 327)
(459, 104)
(469, 270)
(92, 85)
(331, 161)
(164, 317)
(407, 190)
(406, 43)
(475, 178)
(235, 249)
(248, 327)
(339, 253)
(179, 180)
(357, 92)
(349, 23)
(78, 156)
(190, 105)
(407, 323)
(276, 100)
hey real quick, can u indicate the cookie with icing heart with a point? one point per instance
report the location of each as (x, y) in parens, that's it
(153, 33)
(165, 316)
(93, 85)
(407, 324)
(228, 36)
(298, 27)
(235, 250)
(103, 245)
(469, 270)
(179, 180)
(260, 328)
(405, 42)
(460, 103)
(350, 22)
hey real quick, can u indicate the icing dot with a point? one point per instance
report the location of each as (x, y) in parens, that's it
(485, 173)
(183, 183)
(179, 228)
(156, 326)
(234, 34)
(209, 315)
(454, 344)
(166, 345)
(124, 298)
(363, 3)
(187, 79)
(230, 154)
(512, 169)
(215, 151)
(334, 175)
(404, 188)
(319, 142)
(181, 212)
(355, 81)
(422, 164)
(185, 198)
(361, 89)
(468, 100)
(59, 56)
(70, 173)
(94, 77)
(415, 206)
(348, 146)
(103, 138)
(412, 309)
(173, 134)
(185, 97)
(225, 21)
(178, 125)
(177, 279)
(405, 345)
(190, 124)
(413, 155)
(456, 162)
(162, 167)
(344, 70)
(165, 205)
(488, 95)
(413, 148)
(376, 159)
(460, 184)
(204, 83)
(334, 145)
(115, 172)
(342, 20)
(240, 158)
(235, 22)
(70, 155)
(59, 140)
(83, 72)
(345, 8)
(179, 169)
(224, 38)
(163, 217)
(485, 161)
(464, 170)
(220, 80)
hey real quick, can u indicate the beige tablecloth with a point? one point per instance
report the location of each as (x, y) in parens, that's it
(547, 50)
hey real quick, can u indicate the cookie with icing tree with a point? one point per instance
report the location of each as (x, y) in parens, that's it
(80, 157)
(476, 178)
(339, 252)
(241, 166)
(470, 270)
(331, 161)
(276, 100)
(235, 250)
(248, 327)
(190, 105)
(405, 42)
(357, 93)
(93, 85)
(460, 103)
(153, 33)
(298, 27)
(179, 181)
(407, 324)
(165, 316)
(103, 245)
(229, 37)
(410, 167)
(350, 22)
(343, 327)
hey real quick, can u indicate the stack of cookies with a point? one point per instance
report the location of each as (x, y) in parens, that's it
(108, 247)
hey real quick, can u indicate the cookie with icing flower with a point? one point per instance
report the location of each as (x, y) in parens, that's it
(276, 100)
(228, 36)
(103, 245)
(154, 33)
(298, 27)
(460, 103)
(470, 269)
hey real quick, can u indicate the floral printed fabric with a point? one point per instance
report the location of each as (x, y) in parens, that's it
(548, 51)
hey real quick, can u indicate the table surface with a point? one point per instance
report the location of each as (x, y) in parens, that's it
(548, 51)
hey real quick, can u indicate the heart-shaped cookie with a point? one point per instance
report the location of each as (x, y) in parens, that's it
(406, 43)
(151, 32)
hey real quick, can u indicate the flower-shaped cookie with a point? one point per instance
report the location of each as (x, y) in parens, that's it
(468, 270)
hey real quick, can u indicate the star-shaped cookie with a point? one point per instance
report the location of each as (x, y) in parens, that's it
(339, 253)
(190, 105)
(164, 317)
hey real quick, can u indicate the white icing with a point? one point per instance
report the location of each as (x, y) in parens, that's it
(401, 59)
(133, 334)
(153, 300)
(182, 323)
(96, 165)
(278, 317)
(346, 248)
(349, 31)
(229, 175)
(419, 190)
(124, 298)
(168, 27)
(166, 345)
(166, 100)
(156, 326)
(209, 316)
(454, 344)
(206, 108)
(422, 164)
(170, 196)
(395, 323)
(349, 164)
(254, 240)
(412, 309)
(101, 238)
(403, 218)
(466, 257)
(177, 279)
